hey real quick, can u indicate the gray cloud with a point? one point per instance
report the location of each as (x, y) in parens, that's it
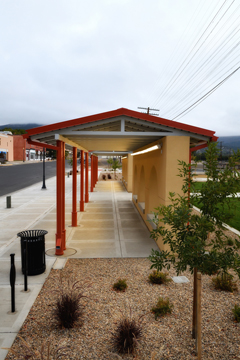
(66, 59)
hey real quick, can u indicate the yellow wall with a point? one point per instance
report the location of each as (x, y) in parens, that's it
(155, 175)
(127, 172)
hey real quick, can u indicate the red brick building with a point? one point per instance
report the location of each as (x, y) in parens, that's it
(22, 151)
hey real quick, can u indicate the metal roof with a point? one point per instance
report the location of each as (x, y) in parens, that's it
(120, 130)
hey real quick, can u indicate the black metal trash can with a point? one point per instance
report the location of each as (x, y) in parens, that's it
(34, 241)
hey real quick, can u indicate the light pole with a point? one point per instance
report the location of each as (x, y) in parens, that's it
(44, 186)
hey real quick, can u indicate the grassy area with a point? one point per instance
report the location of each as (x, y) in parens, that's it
(235, 221)
(197, 186)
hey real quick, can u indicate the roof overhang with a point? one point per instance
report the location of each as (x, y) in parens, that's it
(121, 130)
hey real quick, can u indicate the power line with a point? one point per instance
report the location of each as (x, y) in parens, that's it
(186, 61)
(207, 94)
(217, 49)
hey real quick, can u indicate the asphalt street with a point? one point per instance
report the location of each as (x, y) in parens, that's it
(16, 177)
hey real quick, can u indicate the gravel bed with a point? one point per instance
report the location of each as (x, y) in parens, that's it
(168, 337)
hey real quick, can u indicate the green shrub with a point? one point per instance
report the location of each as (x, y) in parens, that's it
(236, 313)
(224, 282)
(120, 285)
(157, 277)
(162, 308)
(230, 242)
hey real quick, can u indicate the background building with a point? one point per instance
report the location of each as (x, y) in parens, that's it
(6, 146)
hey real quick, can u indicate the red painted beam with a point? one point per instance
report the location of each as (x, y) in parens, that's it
(37, 143)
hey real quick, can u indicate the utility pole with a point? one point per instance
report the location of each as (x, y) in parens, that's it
(148, 110)
(221, 151)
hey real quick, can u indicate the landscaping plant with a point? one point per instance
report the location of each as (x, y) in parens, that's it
(45, 353)
(187, 233)
(236, 313)
(120, 285)
(158, 277)
(114, 164)
(69, 309)
(127, 334)
(162, 308)
(224, 282)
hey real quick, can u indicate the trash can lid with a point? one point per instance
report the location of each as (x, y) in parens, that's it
(32, 233)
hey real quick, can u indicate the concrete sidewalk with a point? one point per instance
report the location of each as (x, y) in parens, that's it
(109, 227)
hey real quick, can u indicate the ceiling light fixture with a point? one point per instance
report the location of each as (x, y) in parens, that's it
(155, 147)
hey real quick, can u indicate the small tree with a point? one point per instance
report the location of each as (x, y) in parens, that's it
(110, 162)
(187, 233)
(115, 164)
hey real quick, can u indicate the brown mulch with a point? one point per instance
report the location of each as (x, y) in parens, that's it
(168, 337)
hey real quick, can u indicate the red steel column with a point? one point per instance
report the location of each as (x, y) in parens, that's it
(74, 188)
(63, 197)
(96, 169)
(92, 173)
(82, 182)
(86, 178)
(59, 245)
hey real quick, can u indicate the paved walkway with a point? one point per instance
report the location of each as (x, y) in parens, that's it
(110, 226)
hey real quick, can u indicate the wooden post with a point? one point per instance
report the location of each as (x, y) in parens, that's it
(194, 325)
(199, 318)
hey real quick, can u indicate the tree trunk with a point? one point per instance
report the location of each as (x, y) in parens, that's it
(194, 324)
(199, 318)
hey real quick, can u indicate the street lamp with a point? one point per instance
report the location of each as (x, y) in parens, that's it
(44, 186)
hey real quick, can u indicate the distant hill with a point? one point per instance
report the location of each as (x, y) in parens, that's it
(230, 142)
(20, 126)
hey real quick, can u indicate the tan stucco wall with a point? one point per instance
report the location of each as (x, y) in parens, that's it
(6, 143)
(155, 175)
(124, 171)
(127, 172)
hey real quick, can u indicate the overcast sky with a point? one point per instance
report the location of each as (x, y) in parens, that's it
(63, 59)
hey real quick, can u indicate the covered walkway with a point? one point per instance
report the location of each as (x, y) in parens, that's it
(110, 226)
(150, 148)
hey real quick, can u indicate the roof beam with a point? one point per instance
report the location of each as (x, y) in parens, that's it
(69, 142)
(37, 143)
(117, 153)
(129, 134)
(117, 133)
